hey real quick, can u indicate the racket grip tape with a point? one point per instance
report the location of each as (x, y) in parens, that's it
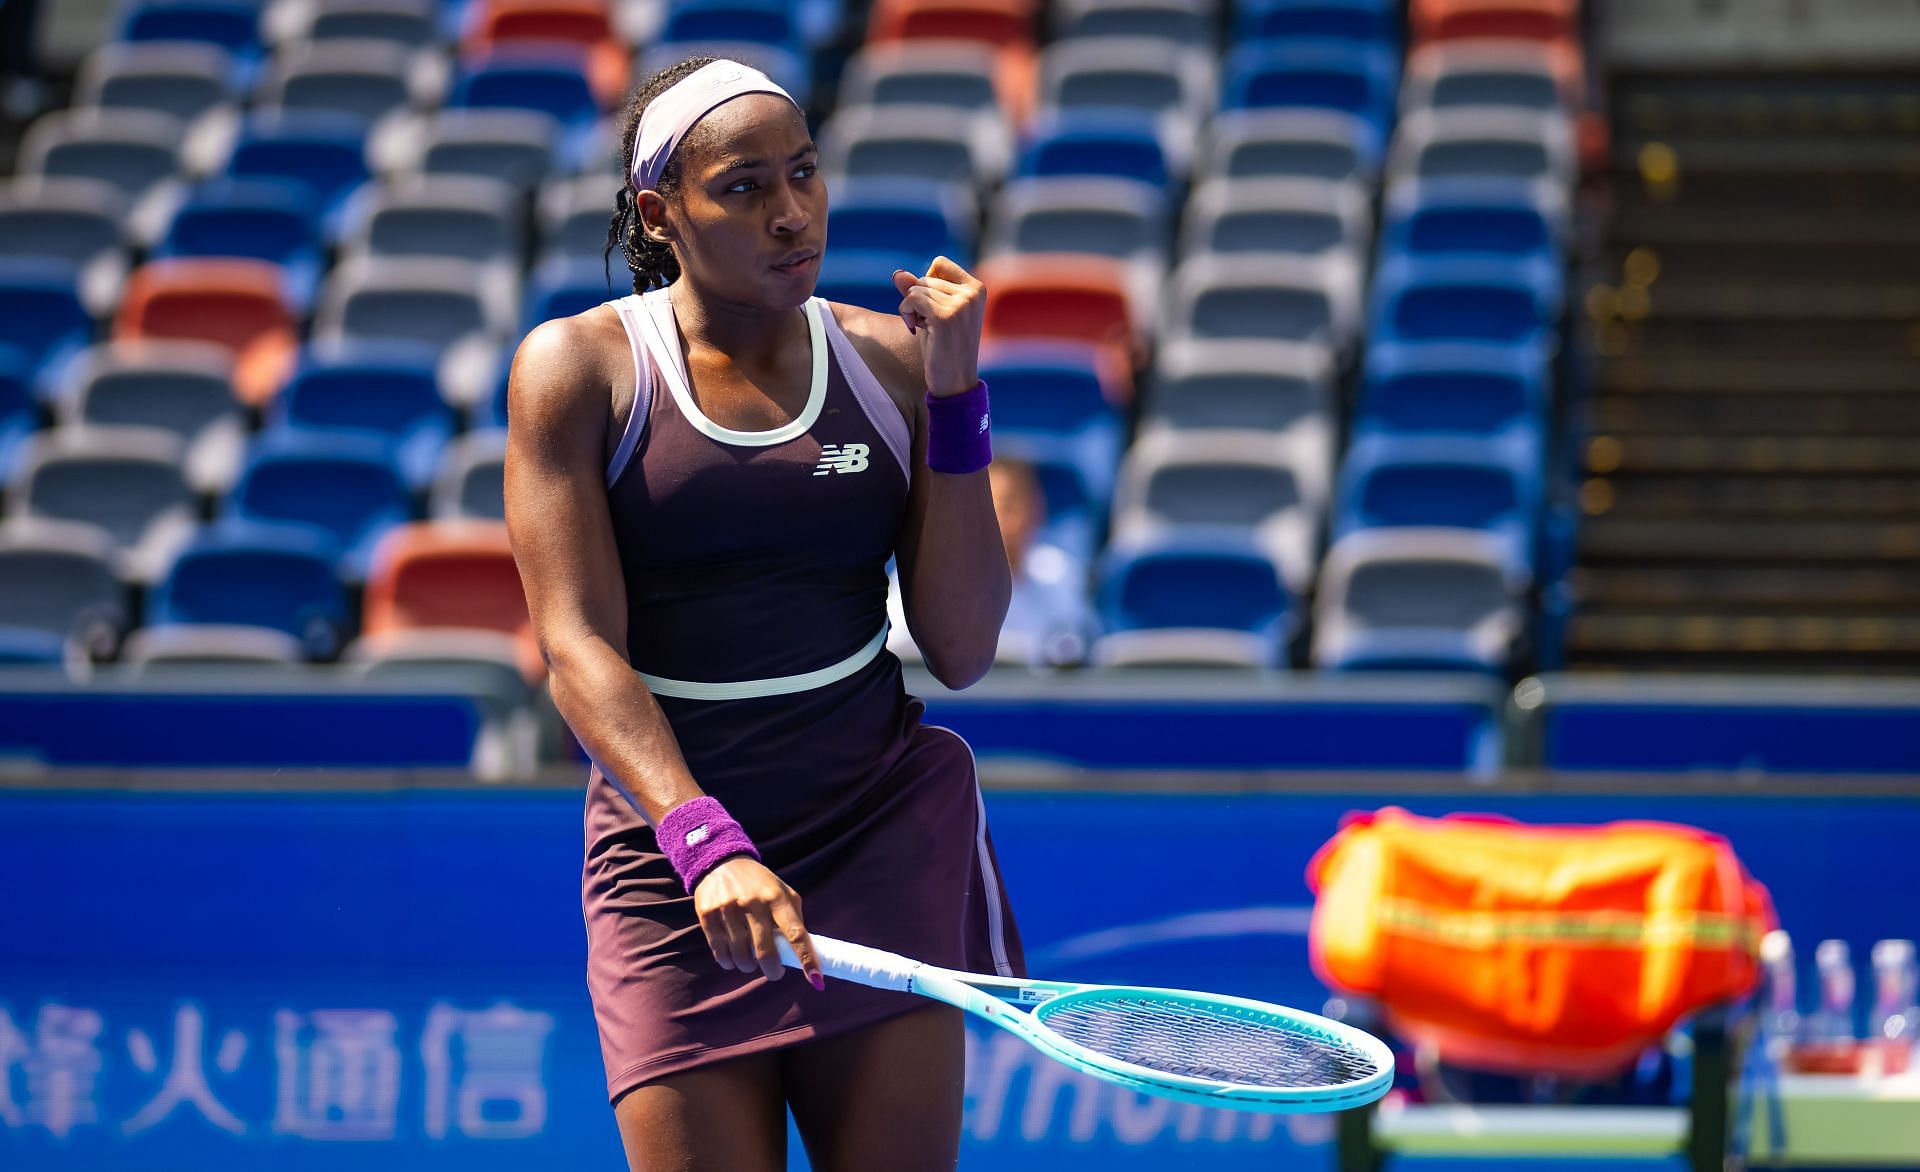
(857, 963)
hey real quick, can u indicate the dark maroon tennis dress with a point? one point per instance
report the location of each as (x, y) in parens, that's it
(756, 592)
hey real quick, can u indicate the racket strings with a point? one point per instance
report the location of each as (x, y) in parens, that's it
(1209, 1041)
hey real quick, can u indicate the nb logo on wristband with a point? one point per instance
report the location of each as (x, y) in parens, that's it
(697, 835)
(842, 458)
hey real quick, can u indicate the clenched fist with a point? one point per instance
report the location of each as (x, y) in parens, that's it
(944, 310)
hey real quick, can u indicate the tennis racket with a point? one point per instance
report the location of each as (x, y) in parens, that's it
(1192, 1047)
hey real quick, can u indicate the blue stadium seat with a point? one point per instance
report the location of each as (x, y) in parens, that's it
(1121, 143)
(237, 573)
(551, 82)
(1048, 402)
(19, 415)
(41, 315)
(1452, 388)
(323, 150)
(1472, 217)
(234, 25)
(1367, 21)
(1196, 586)
(565, 286)
(765, 22)
(345, 487)
(386, 389)
(883, 215)
(1507, 302)
(865, 277)
(1360, 80)
(275, 220)
(1454, 482)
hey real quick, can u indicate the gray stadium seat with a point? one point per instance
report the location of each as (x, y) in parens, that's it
(573, 215)
(471, 475)
(366, 78)
(465, 309)
(1116, 218)
(1274, 297)
(414, 23)
(206, 649)
(922, 72)
(125, 480)
(1303, 216)
(462, 217)
(1482, 142)
(1174, 83)
(1473, 72)
(1270, 387)
(1290, 144)
(790, 71)
(477, 663)
(183, 79)
(178, 386)
(133, 150)
(514, 145)
(1400, 597)
(1186, 22)
(59, 577)
(79, 221)
(952, 147)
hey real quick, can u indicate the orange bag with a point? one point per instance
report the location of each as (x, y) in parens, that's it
(1534, 949)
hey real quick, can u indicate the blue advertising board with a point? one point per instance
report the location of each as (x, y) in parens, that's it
(375, 981)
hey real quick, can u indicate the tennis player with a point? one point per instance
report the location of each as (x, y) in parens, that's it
(704, 483)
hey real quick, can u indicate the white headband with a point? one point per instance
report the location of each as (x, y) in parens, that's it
(669, 116)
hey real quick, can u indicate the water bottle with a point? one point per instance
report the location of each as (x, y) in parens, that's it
(1893, 1029)
(1828, 1044)
(1780, 1019)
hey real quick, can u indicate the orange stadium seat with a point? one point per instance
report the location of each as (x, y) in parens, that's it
(450, 575)
(239, 304)
(574, 22)
(1007, 25)
(1059, 295)
(1533, 20)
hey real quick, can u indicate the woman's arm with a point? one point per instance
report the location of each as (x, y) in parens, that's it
(563, 544)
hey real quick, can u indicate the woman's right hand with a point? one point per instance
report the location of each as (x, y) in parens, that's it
(744, 908)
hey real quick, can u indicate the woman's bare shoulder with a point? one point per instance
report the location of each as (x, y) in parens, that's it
(565, 368)
(882, 340)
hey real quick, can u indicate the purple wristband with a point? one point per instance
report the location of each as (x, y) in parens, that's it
(698, 836)
(958, 439)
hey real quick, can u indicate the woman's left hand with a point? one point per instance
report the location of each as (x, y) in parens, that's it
(944, 309)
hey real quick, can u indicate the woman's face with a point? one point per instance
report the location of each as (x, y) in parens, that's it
(750, 222)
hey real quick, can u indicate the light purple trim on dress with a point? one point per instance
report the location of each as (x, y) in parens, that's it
(872, 397)
(627, 307)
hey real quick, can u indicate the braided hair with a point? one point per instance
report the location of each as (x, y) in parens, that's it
(652, 262)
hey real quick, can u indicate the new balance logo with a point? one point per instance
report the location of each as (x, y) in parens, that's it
(842, 458)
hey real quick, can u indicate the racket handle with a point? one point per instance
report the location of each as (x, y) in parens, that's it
(856, 962)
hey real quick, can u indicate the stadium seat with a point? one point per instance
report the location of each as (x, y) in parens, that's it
(790, 71)
(1215, 600)
(518, 146)
(1306, 217)
(1063, 296)
(895, 216)
(864, 277)
(191, 648)
(767, 22)
(408, 22)
(1483, 142)
(1120, 144)
(962, 74)
(239, 304)
(387, 390)
(1534, 20)
(562, 288)
(940, 143)
(1375, 22)
(450, 304)
(471, 477)
(59, 578)
(234, 25)
(1004, 24)
(235, 573)
(551, 80)
(183, 79)
(81, 222)
(1272, 297)
(462, 217)
(1360, 80)
(1452, 388)
(1418, 599)
(19, 413)
(573, 216)
(1457, 482)
(1183, 22)
(1052, 400)
(1292, 144)
(271, 220)
(41, 314)
(1203, 484)
(320, 149)
(1512, 218)
(125, 481)
(1510, 302)
(1250, 387)
(1144, 74)
(486, 665)
(587, 24)
(184, 387)
(1121, 219)
(367, 79)
(344, 486)
(135, 151)
(1525, 75)
(450, 574)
